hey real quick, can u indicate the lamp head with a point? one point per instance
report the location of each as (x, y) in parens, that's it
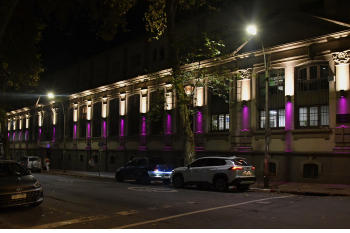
(251, 30)
(50, 95)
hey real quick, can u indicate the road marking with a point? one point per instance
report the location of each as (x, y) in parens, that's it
(130, 212)
(157, 190)
(196, 212)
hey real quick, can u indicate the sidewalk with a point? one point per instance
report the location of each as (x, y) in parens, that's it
(313, 189)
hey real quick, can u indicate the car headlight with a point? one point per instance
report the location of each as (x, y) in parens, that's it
(37, 184)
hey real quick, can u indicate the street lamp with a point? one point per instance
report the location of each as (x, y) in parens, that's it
(51, 96)
(252, 30)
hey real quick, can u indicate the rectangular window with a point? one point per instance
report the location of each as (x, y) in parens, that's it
(220, 122)
(324, 71)
(276, 118)
(313, 72)
(262, 119)
(303, 116)
(273, 118)
(214, 122)
(324, 115)
(281, 118)
(313, 116)
(303, 74)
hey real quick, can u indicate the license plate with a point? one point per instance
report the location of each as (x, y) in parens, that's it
(18, 196)
(167, 176)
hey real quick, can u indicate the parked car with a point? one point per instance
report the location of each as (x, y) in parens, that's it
(144, 170)
(218, 171)
(18, 186)
(31, 163)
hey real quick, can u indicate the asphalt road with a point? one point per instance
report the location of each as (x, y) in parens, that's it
(85, 203)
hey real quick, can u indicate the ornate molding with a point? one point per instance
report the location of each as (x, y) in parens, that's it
(341, 57)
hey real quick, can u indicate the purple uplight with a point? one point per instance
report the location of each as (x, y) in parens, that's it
(168, 129)
(75, 131)
(143, 127)
(20, 136)
(245, 118)
(40, 134)
(8, 135)
(54, 133)
(104, 128)
(199, 122)
(342, 106)
(122, 127)
(289, 116)
(14, 136)
(26, 135)
(89, 130)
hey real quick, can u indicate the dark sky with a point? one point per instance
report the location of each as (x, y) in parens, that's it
(62, 48)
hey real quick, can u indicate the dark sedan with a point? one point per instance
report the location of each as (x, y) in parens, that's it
(18, 186)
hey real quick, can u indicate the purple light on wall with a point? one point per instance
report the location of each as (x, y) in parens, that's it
(104, 128)
(26, 135)
(143, 127)
(8, 135)
(168, 125)
(20, 136)
(75, 131)
(342, 106)
(245, 118)
(14, 136)
(122, 127)
(289, 116)
(199, 122)
(40, 134)
(89, 130)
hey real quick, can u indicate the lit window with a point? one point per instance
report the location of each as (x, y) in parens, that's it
(276, 118)
(220, 122)
(314, 116)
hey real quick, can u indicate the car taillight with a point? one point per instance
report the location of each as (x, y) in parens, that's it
(156, 169)
(235, 168)
(253, 168)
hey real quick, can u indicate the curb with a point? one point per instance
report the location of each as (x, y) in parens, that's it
(80, 175)
(305, 193)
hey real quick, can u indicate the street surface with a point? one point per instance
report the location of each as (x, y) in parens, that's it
(87, 203)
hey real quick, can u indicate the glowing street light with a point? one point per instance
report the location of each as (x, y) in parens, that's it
(252, 30)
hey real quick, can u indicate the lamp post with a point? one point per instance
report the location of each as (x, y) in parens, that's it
(51, 96)
(252, 30)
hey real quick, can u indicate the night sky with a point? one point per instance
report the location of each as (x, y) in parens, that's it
(62, 48)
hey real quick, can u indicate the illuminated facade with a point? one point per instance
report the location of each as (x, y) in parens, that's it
(309, 114)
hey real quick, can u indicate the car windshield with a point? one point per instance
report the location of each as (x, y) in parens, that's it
(241, 162)
(12, 169)
(156, 161)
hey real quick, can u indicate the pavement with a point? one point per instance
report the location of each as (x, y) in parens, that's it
(311, 189)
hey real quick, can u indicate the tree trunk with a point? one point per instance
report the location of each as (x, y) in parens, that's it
(6, 10)
(174, 61)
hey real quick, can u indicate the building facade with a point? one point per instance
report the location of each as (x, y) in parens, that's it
(309, 111)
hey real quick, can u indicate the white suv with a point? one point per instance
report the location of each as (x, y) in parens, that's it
(219, 171)
(31, 163)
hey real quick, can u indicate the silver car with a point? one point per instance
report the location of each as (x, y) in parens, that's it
(18, 186)
(218, 171)
(32, 163)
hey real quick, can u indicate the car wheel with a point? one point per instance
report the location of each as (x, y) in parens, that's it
(145, 179)
(119, 177)
(35, 204)
(166, 182)
(221, 184)
(178, 182)
(243, 187)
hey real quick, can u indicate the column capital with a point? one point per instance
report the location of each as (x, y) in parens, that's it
(341, 57)
(245, 73)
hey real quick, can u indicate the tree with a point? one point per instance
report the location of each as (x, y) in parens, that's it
(160, 19)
